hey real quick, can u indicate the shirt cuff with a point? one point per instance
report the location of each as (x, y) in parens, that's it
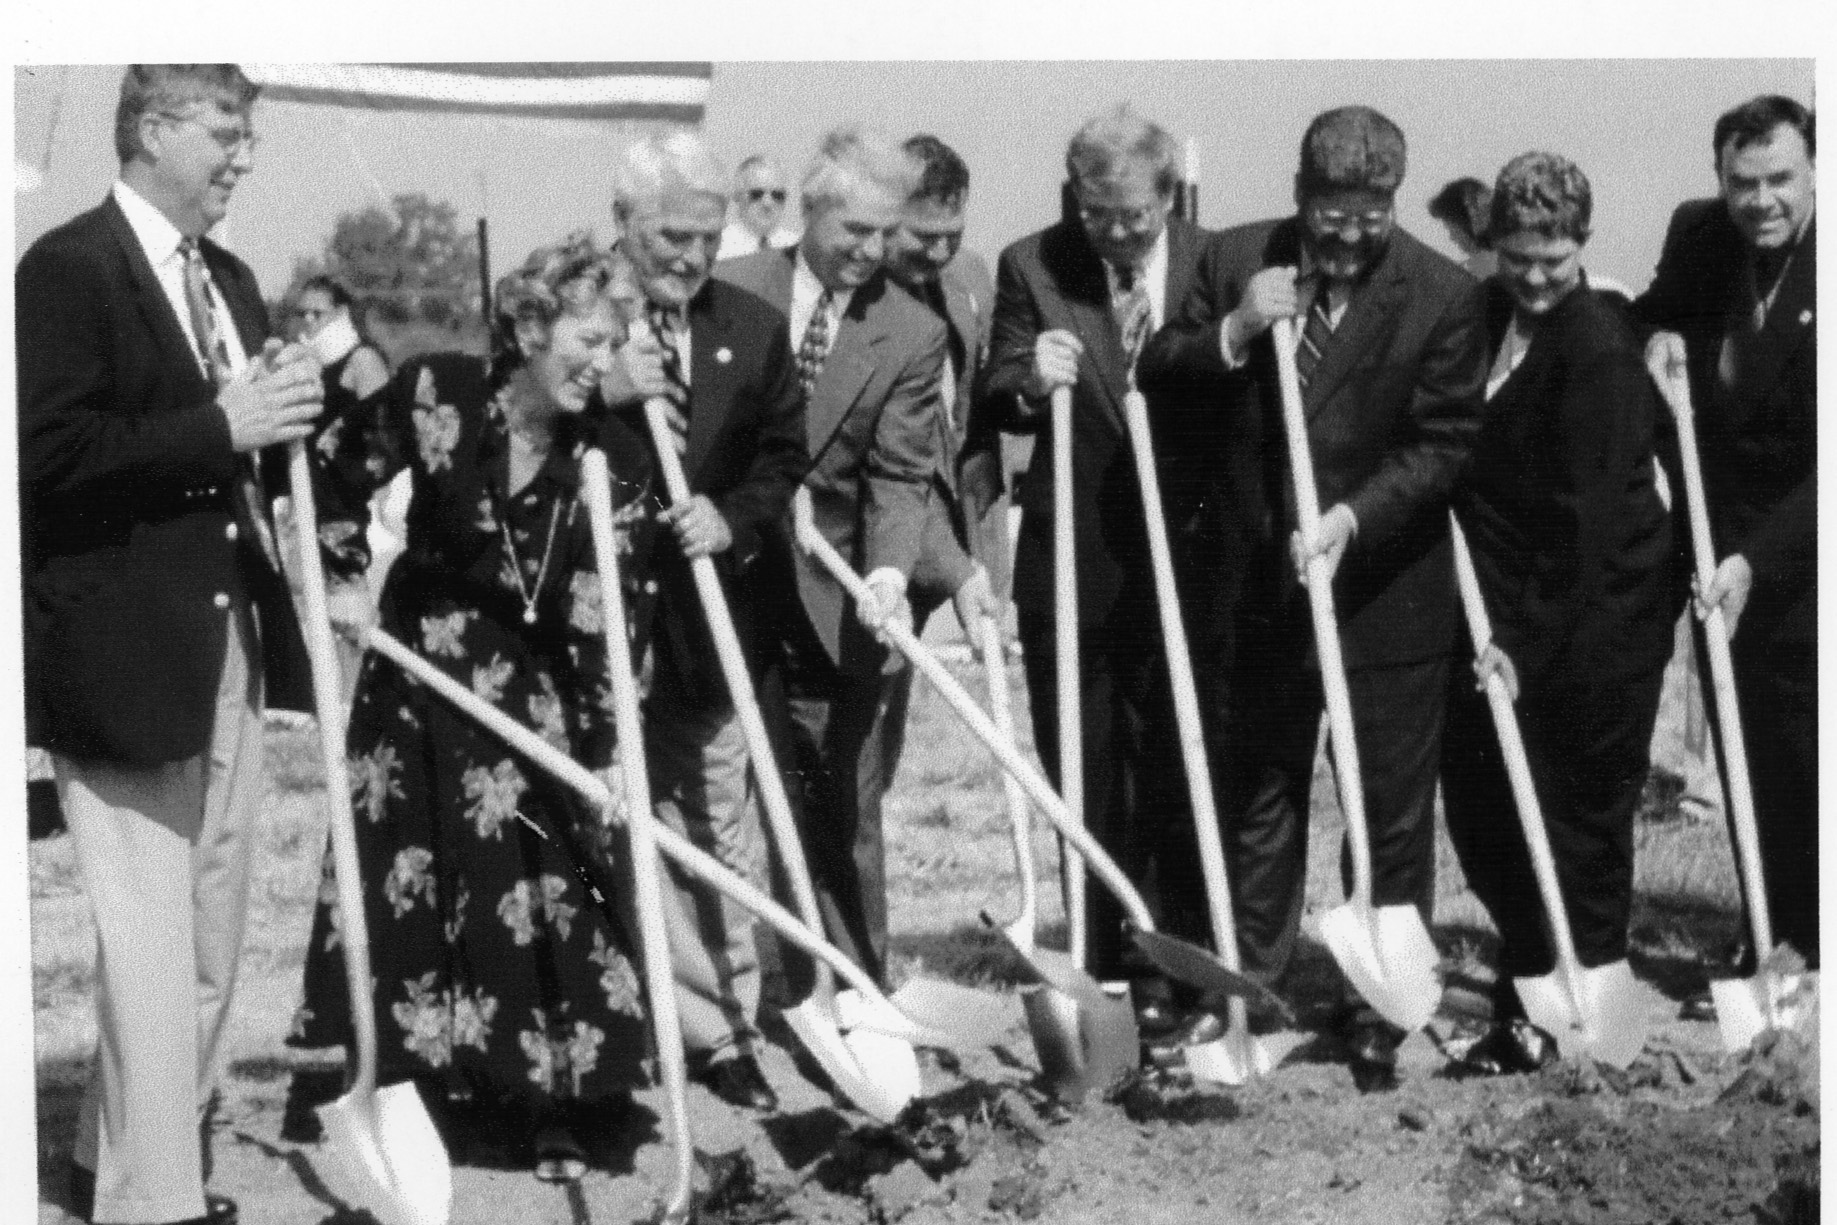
(888, 574)
(1234, 351)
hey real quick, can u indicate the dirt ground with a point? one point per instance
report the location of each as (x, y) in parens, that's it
(1686, 1135)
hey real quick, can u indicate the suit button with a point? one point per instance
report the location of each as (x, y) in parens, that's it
(221, 600)
(229, 532)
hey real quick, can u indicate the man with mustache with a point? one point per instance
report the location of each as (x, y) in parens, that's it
(1734, 300)
(719, 357)
(1392, 358)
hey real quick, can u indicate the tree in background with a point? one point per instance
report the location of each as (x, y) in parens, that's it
(413, 269)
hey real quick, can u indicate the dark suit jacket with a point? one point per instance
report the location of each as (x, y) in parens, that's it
(126, 477)
(1391, 411)
(1560, 506)
(1758, 439)
(873, 435)
(746, 452)
(1054, 279)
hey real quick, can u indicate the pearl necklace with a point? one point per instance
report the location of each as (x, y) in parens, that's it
(529, 594)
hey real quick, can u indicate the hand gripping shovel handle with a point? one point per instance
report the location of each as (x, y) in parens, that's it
(596, 491)
(1676, 389)
(1016, 795)
(685, 854)
(922, 658)
(1326, 624)
(1066, 670)
(1180, 672)
(353, 928)
(1518, 770)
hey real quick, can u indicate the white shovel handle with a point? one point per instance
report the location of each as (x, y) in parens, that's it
(1016, 795)
(1676, 390)
(1326, 623)
(596, 491)
(1066, 669)
(776, 802)
(328, 704)
(1180, 672)
(935, 671)
(685, 854)
(1517, 768)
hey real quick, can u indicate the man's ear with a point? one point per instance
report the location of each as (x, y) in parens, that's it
(151, 133)
(532, 337)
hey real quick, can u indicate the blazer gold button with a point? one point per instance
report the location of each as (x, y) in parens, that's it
(229, 532)
(221, 600)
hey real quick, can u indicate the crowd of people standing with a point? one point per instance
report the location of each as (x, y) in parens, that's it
(873, 363)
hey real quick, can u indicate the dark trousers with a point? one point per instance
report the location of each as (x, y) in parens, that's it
(1267, 730)
(1776, 687)
(1135, 793)
(1587, 739)
(838, 738)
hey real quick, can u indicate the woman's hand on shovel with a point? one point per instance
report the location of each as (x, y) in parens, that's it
(1337, 528)
(1494, 662)
(1729, 590)
(350, 608)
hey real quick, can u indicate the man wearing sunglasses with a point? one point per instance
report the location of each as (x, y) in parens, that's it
(1392, 355)
(758, 210)
(157, 622)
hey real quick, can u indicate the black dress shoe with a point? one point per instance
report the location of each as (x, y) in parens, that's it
(1158, 1019)
(1512, 1047)
(738, 1082)
(1371, 1051)
(1700, 1006)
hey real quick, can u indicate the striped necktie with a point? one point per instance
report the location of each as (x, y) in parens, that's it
(815, 347)
(251, 499)
(667, 328)
(1134, 314)
(1314, 336)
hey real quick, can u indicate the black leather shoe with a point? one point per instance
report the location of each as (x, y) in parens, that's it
(738, 1082)
(1509, 1048)
(1371, 1052)
(1698, 1007)
(1158, 1020)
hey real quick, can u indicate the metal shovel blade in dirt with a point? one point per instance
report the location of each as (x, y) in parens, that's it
(1784, 995)
(876, 1072)
(678, 1204)
(1084, 1036)
(385, 1154)
(1745, 1007)
(1600, 1011)
(1384, 952)
(1236, 1056)
(1184, 961)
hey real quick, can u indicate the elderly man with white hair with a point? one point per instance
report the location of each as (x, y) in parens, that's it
(719, 356)
(869, 357)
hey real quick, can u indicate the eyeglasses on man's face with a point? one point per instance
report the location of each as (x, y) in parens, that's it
(756, 194)
(1134, 220)
(231, 138)
(1338, 221)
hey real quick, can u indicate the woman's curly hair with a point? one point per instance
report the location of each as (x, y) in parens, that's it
(568, 275)
(1544, 193)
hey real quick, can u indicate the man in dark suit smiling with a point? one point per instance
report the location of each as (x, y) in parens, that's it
(156, 618)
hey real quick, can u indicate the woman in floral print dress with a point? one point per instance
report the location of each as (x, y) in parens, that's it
(499, 974)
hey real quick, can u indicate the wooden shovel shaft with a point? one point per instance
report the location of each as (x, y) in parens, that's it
(660, 979)
(1016, 795)
(1326, 624)
(1180, 673)
(935, 671)
(685, 854)
(772, 794)
(328, 704)
(1722, 675)
(1065, 637)
(1518, 770)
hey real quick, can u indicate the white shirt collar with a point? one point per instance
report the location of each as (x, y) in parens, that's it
(159, 238)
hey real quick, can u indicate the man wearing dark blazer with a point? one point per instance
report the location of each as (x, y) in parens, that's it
(1074, 305)
(966, 539)
(1734, 299)
(719, 356)
(1393, 359)
(157, 622)
(869, 358)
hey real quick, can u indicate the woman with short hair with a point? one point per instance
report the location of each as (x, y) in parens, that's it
(1573, 551)
(499, 974)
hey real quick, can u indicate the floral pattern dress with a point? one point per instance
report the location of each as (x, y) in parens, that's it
(501, 958)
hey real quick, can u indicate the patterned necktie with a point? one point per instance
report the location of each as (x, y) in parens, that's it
(1134, 314)
(667, 328)
(815, 347)
(251, 499)
(1314, 336)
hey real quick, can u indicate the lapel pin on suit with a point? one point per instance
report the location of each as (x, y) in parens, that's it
(723, 355)
(1805, 316)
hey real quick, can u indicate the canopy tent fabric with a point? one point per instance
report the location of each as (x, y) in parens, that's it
(658, 91)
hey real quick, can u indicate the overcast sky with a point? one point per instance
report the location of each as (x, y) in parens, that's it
(1638, 128)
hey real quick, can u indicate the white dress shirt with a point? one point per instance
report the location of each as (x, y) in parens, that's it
(160, 239)
(806, 290)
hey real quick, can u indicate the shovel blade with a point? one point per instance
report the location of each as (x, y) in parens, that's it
(963, 1017)
(388, 1157)
(1388, 958)
(1080, 1048)
(1231, 1060)
(889, 1067)
(1608, 1024)
(1194, 966)
(883, 1094)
